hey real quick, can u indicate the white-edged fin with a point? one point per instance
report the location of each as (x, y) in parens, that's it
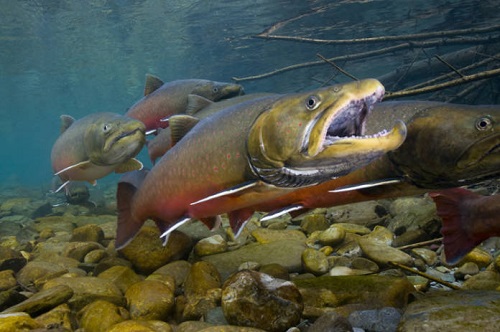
(151, 132)
(228, 192)
(280, 212)
(61, 187)
(365, 185)
(218, 223)
(242, 227)
(178, 224)
(80, 164)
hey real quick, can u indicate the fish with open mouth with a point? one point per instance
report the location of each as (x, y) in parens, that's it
(251, 151)
(96, 145)
(447, 145)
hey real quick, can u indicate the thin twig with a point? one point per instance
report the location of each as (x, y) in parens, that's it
(337, 67)
(425, 275)
(448, 65)
(458, 81)
(409, 37)
(362, 55)
(420, 244)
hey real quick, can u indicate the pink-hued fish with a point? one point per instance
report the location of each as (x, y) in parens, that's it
(251, 151)
(96, 145)
(162, 100)
(468, 219)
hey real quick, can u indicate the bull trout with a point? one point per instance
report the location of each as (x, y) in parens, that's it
(162, 100)
(251, 151)
(468, 219)
(201, 108)
(447, 145)
(96, 145)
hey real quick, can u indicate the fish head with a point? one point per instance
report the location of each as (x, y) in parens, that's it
(215, 91)
(113, 139)
(303, 139)
(451, 145)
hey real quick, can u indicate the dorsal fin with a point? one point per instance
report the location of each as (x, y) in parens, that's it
(152, 84)
(196, 103)
(180, 125)
(66, 121)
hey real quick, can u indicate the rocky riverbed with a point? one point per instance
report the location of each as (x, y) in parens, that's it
(348, 268)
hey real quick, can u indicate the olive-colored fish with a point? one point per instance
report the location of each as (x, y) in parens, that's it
(251, 151)
(447, 145)
(468, 219)
(199, 107)
(96, 145)
(162, 100)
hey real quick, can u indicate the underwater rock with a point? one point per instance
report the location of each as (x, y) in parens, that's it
(411, 213)
(427, 255)
(265, 235)
(36, 273)
(43, 301)
(485, 280)
(141, 326)
(479, 256)
(287, 253)
(314, 261)
(150, 300)
(331, 322)
(11, 259)
(314, 222)
(58, 318)
(147, 253)
(381, 234)
(367, 214)
(467, 269)
(121, 276)
(332, 236)
(201, 289)
(18, 321)
(465, 311)
(382, 254)
(255, 299)
(87, 290)
(211, 245)
(95, 256)
(7, 280)
(87, 233)
(78, 250)
(275, 270)
(361, 263)
(178, 270)
(373, 291)
(376, 320)
(100, 315)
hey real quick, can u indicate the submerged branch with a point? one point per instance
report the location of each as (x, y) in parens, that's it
(367, 54)
(416, 36)
(337, 67)
(425, 275)
(458, 81)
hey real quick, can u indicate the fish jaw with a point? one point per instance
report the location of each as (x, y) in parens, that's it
(320, 135)
(115, 142)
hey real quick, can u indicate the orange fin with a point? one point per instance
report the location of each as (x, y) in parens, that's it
(238, 219)
(128, 226)
(456, 239)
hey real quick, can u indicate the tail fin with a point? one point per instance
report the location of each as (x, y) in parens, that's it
(128, 226)
(456, 238)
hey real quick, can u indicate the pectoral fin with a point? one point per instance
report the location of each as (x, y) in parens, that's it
(196, 103)
(238, 219)
(365, 185)
(180, 125)
(280, 212)
(81, 165)
(239, 189)
(128, 166)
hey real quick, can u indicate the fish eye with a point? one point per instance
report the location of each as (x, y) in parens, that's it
(106, 127)
(215, 89)
(312, 103)
(484, 123)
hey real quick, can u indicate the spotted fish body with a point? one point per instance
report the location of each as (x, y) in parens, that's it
(447, 145)
(214, 164)
(96, 145)
(162, 100)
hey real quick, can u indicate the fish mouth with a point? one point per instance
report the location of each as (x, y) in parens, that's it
(344, 124)
(137, 134)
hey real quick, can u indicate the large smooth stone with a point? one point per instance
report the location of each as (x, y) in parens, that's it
(287, 253)
(100, 315)
(147, 253)
(150, 300)
(254, 299)
(464, 311)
